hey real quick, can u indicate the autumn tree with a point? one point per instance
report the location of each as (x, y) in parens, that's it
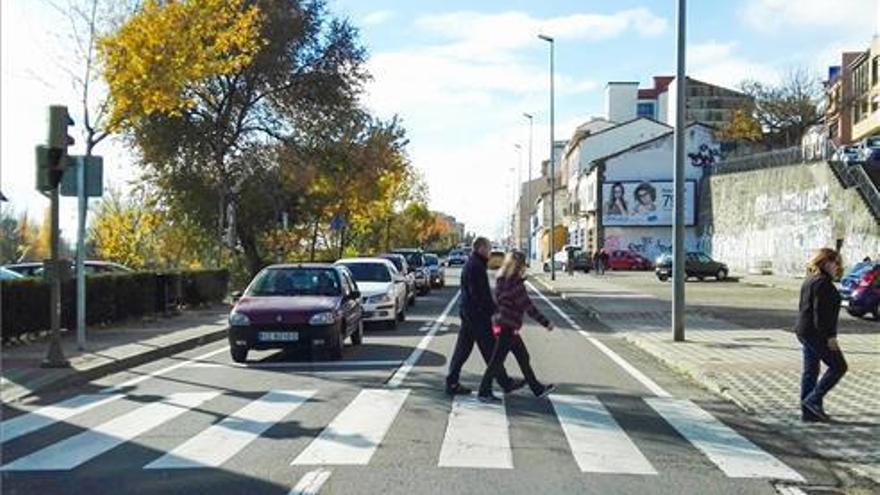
(742, 127)
(786, 110)
(207, 88)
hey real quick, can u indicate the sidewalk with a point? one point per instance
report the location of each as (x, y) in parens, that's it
(756, 368)
(108, 350)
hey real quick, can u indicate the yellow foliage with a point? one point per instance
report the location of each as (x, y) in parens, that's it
(743, 127)
(156, 60)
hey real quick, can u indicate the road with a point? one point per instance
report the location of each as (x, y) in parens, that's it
(379, 423)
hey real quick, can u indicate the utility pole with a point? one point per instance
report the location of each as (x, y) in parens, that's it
(529, 192)
(548, 39)
(678, 252)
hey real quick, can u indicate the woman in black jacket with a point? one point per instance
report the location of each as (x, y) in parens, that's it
(817, 331)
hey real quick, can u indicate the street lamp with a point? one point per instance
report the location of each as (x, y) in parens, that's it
(529, 190)
(678, 253)
(517, 196)
(549, 40)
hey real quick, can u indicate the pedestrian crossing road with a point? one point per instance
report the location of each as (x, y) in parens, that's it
(477, 435)
(379, 422)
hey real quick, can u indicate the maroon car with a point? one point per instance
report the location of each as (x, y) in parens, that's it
(297, 306)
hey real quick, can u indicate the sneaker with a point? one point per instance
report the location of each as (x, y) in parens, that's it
(489, 399)
(816, 411)
(457, 389)
(548, 389)
(515, 385)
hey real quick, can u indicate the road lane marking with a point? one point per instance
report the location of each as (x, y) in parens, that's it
(49, 415)
(353, 436)
(734, 454)
(283, 365)
(561, 313)
(630, 369)
(399, 375)
(219, 442)
(476, 436)
(311, 482)
(134, 381)
(597, 442)
(71, 452)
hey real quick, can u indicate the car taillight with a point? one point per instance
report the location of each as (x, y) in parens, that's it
(868, 279)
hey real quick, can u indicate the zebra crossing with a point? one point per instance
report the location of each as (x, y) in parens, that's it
(477, 436)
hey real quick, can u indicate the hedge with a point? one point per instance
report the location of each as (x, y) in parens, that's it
(24, 303)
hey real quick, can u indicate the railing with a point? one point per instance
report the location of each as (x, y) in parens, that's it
(866, 187)
(756, 161)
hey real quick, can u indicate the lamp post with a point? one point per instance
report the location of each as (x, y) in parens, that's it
(550, 40)
(529, 190)
(517, 196)
(678, 252)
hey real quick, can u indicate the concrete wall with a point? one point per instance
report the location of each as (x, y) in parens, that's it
(780, 216)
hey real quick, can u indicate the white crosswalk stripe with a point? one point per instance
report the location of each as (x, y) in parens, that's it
(597, 442)
(49, 415)
(221, 441)
(476, 436)
(731, 452)
(353, 436)
(89, 444)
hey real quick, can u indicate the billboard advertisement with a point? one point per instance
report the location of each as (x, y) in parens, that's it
(645, 203)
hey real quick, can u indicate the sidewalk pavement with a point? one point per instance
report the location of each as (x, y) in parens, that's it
(108, 350)
(756, 368)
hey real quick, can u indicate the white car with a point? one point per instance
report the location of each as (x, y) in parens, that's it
(382, 288)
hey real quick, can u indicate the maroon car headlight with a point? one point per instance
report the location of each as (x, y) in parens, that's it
(327, 318)
(239, 319)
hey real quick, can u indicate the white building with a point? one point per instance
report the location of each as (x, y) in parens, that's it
(593, 140)
(625, 197)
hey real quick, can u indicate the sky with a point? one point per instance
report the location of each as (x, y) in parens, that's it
(462, 73)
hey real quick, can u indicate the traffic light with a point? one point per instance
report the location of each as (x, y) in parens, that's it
(52, 158)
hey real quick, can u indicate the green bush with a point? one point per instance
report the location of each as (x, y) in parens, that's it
(24, 303)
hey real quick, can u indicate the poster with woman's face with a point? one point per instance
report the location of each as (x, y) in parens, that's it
(644, 203)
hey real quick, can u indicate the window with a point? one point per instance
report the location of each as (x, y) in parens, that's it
(645, 109)
(296, 282)
(875, 71)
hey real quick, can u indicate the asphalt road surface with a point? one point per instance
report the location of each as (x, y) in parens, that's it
(379, 423)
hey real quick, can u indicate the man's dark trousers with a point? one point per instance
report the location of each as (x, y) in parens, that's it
(474, 332)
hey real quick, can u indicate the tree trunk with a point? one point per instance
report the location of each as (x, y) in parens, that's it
(253, 260)
(314, 241)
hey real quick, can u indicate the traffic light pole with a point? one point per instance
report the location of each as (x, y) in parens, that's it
(80, 253)
(55, 357)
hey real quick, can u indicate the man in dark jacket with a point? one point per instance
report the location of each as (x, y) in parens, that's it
(476, 309)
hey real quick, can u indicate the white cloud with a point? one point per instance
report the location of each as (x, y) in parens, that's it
(721, 63)
(849, 15)
(377, 17)
(482, 36)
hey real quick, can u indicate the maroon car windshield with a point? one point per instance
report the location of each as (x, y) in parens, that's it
(295, 282)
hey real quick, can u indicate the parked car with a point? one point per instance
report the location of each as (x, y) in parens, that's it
(416, 259)
(6, 274)
(864, 296)
(297, 306)
(93, 267)
(619, 259)
(850, 155)
(382, 287)
(696, 265)
(438, 273)
(496, 257)
(456, 257)
(853, 276)
(402, 266)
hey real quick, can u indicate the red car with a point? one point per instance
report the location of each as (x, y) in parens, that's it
(297, 306)
(619, 259)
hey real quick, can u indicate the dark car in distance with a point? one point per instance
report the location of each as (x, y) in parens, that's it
(697, 265)
(416, 259)
(297, 306)
(403, 267)
(435, 268)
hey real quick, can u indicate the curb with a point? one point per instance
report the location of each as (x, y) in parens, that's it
(588, 311)
(18, 393)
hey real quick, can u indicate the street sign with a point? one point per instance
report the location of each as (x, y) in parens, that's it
(94, 176)
(338, 223)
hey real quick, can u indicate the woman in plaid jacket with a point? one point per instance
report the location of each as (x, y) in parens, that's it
(513, 301)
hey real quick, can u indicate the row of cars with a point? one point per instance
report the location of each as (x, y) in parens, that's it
(36, 269)
(321, 305)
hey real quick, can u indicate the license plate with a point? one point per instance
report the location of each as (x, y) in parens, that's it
(278, 336)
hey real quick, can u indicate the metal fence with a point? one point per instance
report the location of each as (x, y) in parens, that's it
(757, 161)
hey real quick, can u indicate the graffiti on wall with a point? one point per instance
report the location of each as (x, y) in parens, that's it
(648, 246)
(810, 200)
(706, 155)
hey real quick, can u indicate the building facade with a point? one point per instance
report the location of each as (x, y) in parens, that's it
(839, 100)
(706, 103)
(865, 76)
(626, 198)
